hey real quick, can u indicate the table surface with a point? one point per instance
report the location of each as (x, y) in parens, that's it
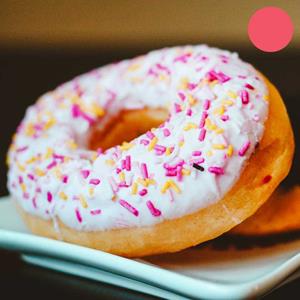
(24, 75)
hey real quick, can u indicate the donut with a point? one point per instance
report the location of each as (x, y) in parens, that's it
(279, 215)
(152, 154)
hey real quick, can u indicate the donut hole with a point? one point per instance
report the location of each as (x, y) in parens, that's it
(126, 126)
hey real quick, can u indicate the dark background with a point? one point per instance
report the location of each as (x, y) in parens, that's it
(44, 43)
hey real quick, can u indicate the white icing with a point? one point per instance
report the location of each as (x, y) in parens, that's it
(154, 81)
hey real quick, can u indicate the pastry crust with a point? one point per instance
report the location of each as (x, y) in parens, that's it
(279, 215)
(273, 158)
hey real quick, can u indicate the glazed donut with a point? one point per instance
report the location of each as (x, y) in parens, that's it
(279, 215)
(220, 144)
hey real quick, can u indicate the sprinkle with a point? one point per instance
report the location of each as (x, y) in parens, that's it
(175, 187)
(110, 162)
(39, 172)
(94, 181)
(154, 211)
(198, 167)
(210, 125)
(126, 146)
(191, 100)
(22, 149)
(144, 142)
(143, 192)
(177, 108)
(181, 96)
(134, 188)
(49, 197)
(78, 215)
(186, 172)
(91, 191)
(189, 112)
(152, 143)
(63, 196)
(171, 172)
(128, 163)
(216, 170)
(150, 135)
(130, 208)
(219, 130)
(170, 184)
(219, 111)
(225, 118)
(244, 148)
(249, 86)
(218, 146)
(85, 173)
(196, 153)
(144, 170)
(30, 176)
(202, 120)
(23, 187)
(51, 165)
(83, 201)
(122, 177)
(206, 104)
(189, 126)
(166, 132)
(95, 212)
(266, 179)
(20, 167)
(202, 134)
(229, 150)
(232, 94)
(244, 96)
(168, 151)
(227, 102)
(181, 143)
(209, 153)
(266, 97)
(72, 145)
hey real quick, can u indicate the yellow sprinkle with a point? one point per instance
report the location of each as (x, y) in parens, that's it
(29, 130)
(142, 182)
(191, 100)
(30, 160)
(152, 143)
(168, 151)
(134, 188)
(227, 102)
(97, 110)
(39, 172)
(181, 143)
(23, 187)
(94, 156)
(83, 201)
(20, 167)
(133, 67)
(122, 176)
(50, 123)
(175, 187)
(210, 125)
(189, 126)
(213, 83)
(232, 94)
(219, 130)
(266, 97)
(219, 146)
(110, 162)
(184, 83)
(136, 79)
(63, 196)
(209, 153)
(126, 146)
(219, 111)
(229, 150)
(49, 153)
(186, 172)
(91, 191)
(150, 181)
(162, 77)
(72, 145)
(57, 172)
(165, 187)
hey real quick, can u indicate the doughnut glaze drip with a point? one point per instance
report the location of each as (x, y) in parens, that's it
(217, 105)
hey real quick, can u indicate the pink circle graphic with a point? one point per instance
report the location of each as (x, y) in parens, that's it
(270, 29)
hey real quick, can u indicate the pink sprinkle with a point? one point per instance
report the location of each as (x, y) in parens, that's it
(202, 134)
(57, 156)
(144, 142)
(191, 86)
(220, 76)
(189, 112)
(244, 148)
(30, 176)
(171, 172)
(249, 86)
(34, 202)
(65, 179)
(154, 211)
(160, 148)
(181, 96)
(206, 104)
(118, 170)
(150, 135)
(49, 197)
(51, 165)
(244, 96)
(20, 179)
(199, 161)
(130, 208)
(182, 58)
(123, 184)
(267, 179)
(128, 163)
(177, 108)
(225, 118)
(163, 68)
(75, 111)
(21, 149)
(123, 164)
(143, 192)
(144, 170)
(26, 196)
(223, 77)
(179, 173)
(94, 181)
(95, 212)
(166, 132)
(196, 153)
(203, 118)
(216, 170)
(78, 215)
(85, 173)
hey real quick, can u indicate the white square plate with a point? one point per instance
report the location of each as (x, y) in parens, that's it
(199, 272)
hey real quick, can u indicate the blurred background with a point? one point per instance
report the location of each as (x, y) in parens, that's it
(44, 43)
